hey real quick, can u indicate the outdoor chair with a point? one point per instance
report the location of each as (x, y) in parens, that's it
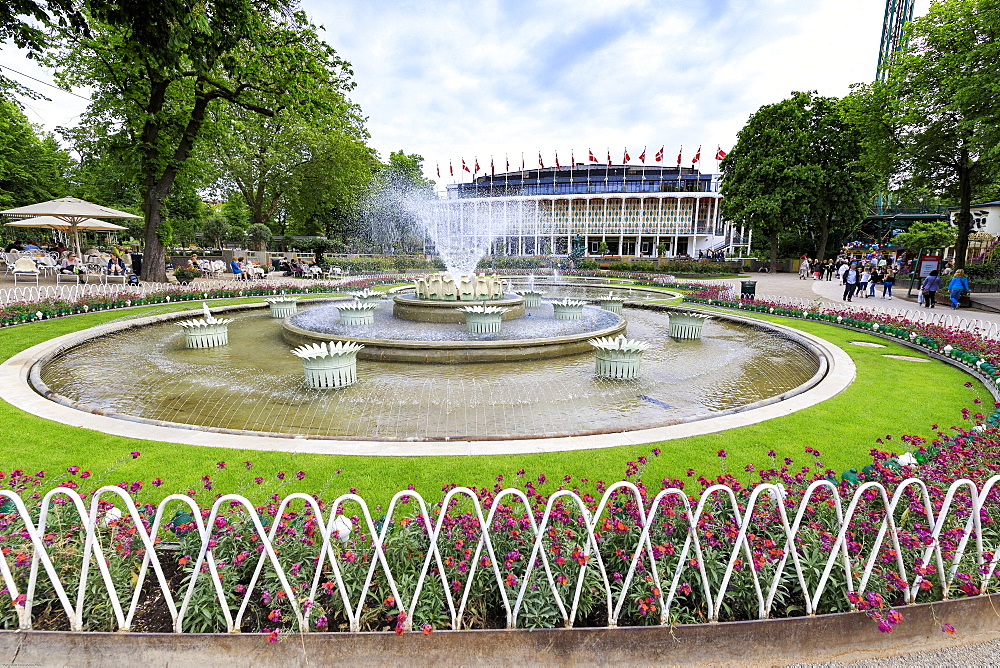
(25, 270)
(9, 260)
(67, 278)
(105, 276)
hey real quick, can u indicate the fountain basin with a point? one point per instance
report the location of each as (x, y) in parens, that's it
(410, 307)
(457, 352)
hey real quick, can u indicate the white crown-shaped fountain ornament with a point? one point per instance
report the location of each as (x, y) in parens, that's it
(207, 332)
(532, 298)
(369, 296)
(612, 303)
(568, 309)
(357, 313)
(282, 306)
(483, 319)
(329, 366)
(686, 325)
(618, 357)
(444, 286)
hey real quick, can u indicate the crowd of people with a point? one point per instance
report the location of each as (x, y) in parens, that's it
(862, 276)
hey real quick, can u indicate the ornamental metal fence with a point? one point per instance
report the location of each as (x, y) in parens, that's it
(630, 557)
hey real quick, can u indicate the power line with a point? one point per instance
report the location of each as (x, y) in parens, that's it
(44, 83)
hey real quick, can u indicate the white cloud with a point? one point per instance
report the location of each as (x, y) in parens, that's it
(450, 79)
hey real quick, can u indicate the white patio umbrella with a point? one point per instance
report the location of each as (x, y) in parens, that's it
(50, 223)
(72, 211)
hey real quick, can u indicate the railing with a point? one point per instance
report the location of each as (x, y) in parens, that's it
(726, 553)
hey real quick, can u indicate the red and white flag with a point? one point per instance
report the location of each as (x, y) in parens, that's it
(451, 170)
(557, 159)
(592, 158)
(720, 154)
(476, 170)
(492, 171)
(609, 157)
(439, 169)
(465, 166)
(507, 158)
(697, 156)
(540, 163)
(659, 154)
(642, 156)
(572, 160)
(522, 161)
(626, 158)
(679, 154)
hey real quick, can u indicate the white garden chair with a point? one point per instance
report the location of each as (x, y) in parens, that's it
(25, 270)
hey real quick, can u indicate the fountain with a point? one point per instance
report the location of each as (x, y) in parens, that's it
(357, 313)
(568, 309)
(686, 325)
(369, 296)
(532, 298)
(207, 332)
(424, 375)
(283, 306)
(612, 303)
(483, 319)
(618, 357)
(329, 366)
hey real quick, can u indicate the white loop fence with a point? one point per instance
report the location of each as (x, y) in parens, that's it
(723, 554)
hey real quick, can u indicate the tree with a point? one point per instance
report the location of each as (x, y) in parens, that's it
(797, 165)
(32, 166)
(927, 235)
(934, 123)
(214, 230)
(258, 235)
(25, 23)
(158, 69)
(602, 248)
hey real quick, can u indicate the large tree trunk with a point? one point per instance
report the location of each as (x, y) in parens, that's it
(824, 237)
(774, 252)
(964, 218)
(154, 259)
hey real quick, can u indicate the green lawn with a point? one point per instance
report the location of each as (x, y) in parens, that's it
(888, 397)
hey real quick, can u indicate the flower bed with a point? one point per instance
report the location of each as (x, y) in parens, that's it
(543, 554)
(23, 312)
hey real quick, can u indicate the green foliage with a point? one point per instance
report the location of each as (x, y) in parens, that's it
(602, 248)
(927, 235)
(258, 236)
(32, 166)
(933, 123)
(157, 70)
(797, 164)
(214, 231)
(509, 262)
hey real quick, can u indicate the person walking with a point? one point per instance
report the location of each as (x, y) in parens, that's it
(958, 287)
(803, 268)
(842, 271)
(851, 277)
(929, 288)
(866, 277)
(877, 276)
(888, 280)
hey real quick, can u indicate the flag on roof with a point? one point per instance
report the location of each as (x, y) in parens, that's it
(659, 154)
(720, 154)
(642, 156)
(697, 156)
(592, 158)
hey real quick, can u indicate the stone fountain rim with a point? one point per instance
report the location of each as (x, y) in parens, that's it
(18, 373)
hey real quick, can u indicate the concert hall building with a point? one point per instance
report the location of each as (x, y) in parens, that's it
(633, 209)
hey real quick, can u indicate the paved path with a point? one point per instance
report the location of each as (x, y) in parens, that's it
(831, 293)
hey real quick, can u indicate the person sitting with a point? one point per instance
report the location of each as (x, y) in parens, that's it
(194, 263)
(297, 269)
(30, 246)
(71, 265)
(116, 266)
(236, 266)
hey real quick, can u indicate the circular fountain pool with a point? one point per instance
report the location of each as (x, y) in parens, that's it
(255, 385)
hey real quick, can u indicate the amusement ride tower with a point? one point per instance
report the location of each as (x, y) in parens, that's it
(897, 13)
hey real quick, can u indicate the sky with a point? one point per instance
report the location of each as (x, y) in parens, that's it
(489, 80)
